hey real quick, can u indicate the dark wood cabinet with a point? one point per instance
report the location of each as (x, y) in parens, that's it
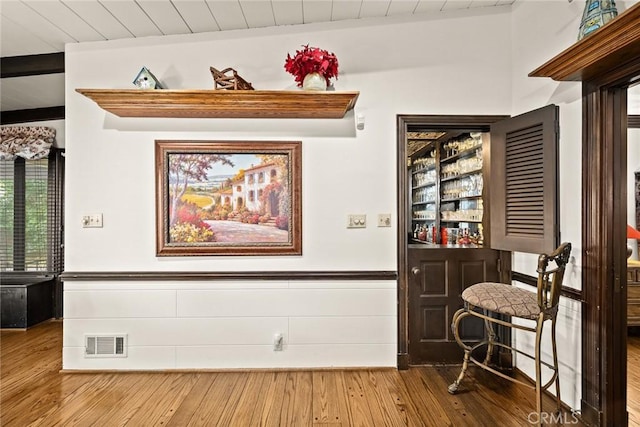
(26, 301)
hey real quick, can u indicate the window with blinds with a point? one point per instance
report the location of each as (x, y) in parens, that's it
(524, 182)
(31, 215)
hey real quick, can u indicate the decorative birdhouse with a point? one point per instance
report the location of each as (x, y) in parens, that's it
(146, 80)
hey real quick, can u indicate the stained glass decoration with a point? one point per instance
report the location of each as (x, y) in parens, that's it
(596, 14)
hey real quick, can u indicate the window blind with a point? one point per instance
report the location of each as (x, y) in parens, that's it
(31, 214)
(6, 214)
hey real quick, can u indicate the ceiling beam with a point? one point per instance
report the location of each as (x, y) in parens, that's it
(32, 115)
(31, 65)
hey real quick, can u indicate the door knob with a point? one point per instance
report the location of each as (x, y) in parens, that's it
(415, 271)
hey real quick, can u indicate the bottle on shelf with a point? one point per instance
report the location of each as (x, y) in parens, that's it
(422, 235)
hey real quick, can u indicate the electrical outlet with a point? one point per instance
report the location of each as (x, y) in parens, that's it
(384, 220)
(356, 221)
(92, 221)
(278, 342)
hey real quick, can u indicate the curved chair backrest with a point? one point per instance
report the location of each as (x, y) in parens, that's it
(550, 279)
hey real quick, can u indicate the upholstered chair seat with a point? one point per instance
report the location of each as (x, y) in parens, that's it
(503, 299)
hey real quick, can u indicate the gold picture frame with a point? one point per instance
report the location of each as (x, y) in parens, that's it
(228, 198)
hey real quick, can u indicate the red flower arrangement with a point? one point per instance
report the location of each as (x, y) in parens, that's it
(310, 60)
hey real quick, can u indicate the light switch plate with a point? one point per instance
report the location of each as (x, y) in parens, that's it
(92, 221)
(384, 220)
(356, 221)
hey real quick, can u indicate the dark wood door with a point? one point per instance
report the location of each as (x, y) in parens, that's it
(437, 277)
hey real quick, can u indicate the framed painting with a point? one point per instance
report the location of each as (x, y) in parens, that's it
(228, 198)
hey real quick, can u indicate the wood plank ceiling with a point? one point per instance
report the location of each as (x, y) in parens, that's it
(31, 27)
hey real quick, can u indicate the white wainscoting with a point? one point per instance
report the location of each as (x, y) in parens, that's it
(231, 324)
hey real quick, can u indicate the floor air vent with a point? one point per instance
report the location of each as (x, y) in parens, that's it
(105, 345)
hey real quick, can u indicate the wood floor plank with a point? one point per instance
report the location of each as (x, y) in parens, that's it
(329, 404)
(454, 405)
(374, 389)
(162, 404)
(394, 405)
(274, 398)
(362, 414)
(297, 408)
(189, 406)
(120, 401)
(633, 379)
(29, 406)
(429, 410)
(250, 401)
(261, 406)
(72, 388)
(471, 398)
(76, 402)
(214, 402)
(18, 358)
(17, 386)
(13, 340)
(226, 418)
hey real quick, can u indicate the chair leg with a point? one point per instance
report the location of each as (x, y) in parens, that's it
(492, 338)
(555, 364)
(539, 367)
(453, 388)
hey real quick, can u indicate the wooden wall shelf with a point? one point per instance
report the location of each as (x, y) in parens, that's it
(605, 49)
(223, 103)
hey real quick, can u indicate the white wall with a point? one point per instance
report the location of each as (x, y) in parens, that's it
(457, 64)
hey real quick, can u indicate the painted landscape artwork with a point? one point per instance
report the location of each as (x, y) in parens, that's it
(223, 198)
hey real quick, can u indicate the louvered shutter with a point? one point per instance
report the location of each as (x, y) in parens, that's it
(524, 182)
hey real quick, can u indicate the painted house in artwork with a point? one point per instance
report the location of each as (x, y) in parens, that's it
(256, 179)
(238, 196)
(226, 196)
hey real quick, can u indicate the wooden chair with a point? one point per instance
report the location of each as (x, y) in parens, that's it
(513, 302)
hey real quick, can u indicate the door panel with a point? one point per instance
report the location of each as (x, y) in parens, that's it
(524, 182)
(438, 277)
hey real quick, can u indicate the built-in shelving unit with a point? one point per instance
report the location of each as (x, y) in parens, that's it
(447, 200)
(297, 104)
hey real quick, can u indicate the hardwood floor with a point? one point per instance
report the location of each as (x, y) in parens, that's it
(633, 379)
(35, 393)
